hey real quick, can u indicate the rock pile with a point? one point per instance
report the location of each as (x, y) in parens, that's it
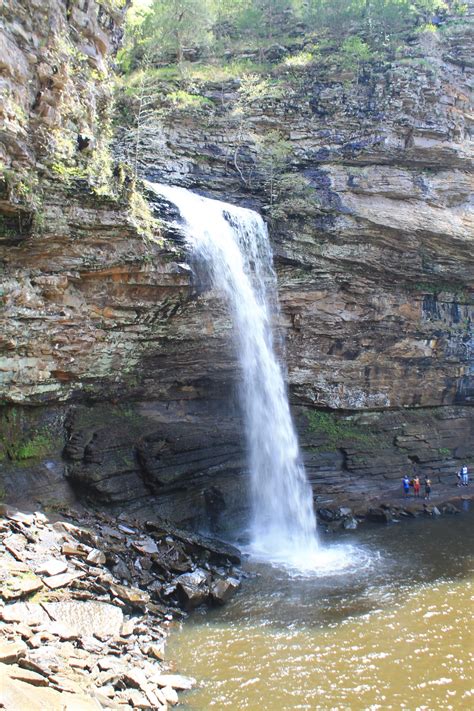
(86, 606)
(376, 511)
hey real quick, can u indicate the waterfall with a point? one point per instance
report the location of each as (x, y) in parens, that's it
(233, 244)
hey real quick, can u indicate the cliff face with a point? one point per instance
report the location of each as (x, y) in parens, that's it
(117, 369)
(371, 217)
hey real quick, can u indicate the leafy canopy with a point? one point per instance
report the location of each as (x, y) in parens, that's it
(165, 29)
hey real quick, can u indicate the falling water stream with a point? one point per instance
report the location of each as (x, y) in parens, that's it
(378, 621)
(233, 244)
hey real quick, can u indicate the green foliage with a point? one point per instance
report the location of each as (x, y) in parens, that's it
(31, 449)
(168, 28)
(444, 452)
(354, 51)
(293, 195)
(456, 288)
(299, 61)
(379, 18)
(273, 154)
(185, 100)
(159, 29)
(18, 442)
(22, 187)
(336, 431)
(142, 217)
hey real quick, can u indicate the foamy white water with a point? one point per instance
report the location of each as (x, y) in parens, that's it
(233, 243)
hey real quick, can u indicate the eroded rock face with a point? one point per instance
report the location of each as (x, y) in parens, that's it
(54, 57)
(118, 364)
(373, 226)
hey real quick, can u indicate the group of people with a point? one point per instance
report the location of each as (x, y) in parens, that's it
(462, 476)
(416, 484)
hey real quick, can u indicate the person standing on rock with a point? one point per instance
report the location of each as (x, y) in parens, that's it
(406, 485)
(416, 486)
(427, 487)
(464, 475)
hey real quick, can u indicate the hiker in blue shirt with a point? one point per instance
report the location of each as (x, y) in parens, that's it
(406, 485)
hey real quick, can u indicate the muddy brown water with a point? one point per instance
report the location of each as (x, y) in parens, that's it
(392, 629)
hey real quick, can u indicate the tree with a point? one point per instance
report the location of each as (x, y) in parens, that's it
(170, 26)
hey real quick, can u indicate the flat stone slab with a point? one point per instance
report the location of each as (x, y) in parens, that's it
(176, 681)
(10, 652)
(18, 695)
(26, 675)
(20, 587)
(53, 567)
(134, 596)
(87, 617)
(30, 613)
(60, 581)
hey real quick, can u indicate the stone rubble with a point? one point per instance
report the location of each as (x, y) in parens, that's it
(86, 606)
(338, 518)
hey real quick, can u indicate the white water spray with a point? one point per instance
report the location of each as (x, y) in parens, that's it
(233, 243)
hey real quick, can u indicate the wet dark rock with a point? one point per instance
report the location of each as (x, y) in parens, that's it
(215, 507)
(379, 515)
(333, 526)
(195, 543)
(222, 590)
(326, 515)
(193, 588)
(449, 509)
(350, 523)
(121, 571)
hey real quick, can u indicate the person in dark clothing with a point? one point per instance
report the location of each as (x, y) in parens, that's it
(427, 487)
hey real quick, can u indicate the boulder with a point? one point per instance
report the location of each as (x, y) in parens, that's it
(21, 587)
(171, 697)
(156, 651)
(20, 694)
(27, 612)
(193, 588)
(379, 515)
(350, 523)
(450, 509)
(326, 515)
(132, 596)
(26, 675)
(96, 557)
(222, 590)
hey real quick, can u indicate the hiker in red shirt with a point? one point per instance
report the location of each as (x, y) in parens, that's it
(416, 486)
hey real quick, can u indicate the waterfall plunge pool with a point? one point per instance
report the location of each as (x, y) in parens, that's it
(393, 630)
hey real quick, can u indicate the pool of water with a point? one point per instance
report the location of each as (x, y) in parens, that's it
(391, 628)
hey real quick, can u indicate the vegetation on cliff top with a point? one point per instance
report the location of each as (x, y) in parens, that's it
(159, 30)
(178, 57)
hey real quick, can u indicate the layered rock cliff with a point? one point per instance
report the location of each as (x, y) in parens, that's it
(117, 368)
